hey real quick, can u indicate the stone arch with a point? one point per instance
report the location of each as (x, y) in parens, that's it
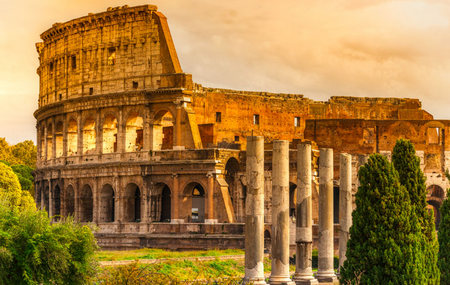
(134, 132)
(107, 204)
(435, 197)
(46, 198)
(292, 198)
(56, 201)
(231, 171)
(72, 137)
(132, 203)
(109, 134)
(162, 130)
(69, 201)
(195, 194)
(161, 203)
(89, 136)
(49, 141)
(86, 204)
(59, 129)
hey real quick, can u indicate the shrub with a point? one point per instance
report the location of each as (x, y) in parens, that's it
(384, 245)
(444, 241)
(411, 176)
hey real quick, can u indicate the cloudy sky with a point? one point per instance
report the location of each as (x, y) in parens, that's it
(318, 48)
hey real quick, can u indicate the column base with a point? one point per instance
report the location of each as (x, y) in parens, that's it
(211, 221)
(177, 221)
(255, 282)
(310, 281)
(281, 281)
(329, 279)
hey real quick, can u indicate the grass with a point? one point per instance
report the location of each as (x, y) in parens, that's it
(153, 253)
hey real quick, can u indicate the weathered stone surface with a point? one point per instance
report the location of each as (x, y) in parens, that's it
(345, 205)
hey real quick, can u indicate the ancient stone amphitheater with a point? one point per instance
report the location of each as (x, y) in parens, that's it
(126, 140)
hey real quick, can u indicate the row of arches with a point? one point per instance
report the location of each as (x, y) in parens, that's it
(52, 136)
(131, 203)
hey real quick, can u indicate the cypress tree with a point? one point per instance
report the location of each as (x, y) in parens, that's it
(384, 247)
(444, 240)
(411, 176)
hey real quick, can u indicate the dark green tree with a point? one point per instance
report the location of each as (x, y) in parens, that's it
(24, 173)
(411, 176)
(444, 239)
(384, 245)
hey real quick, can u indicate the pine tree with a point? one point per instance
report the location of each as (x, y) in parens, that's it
(411, 176)
(444, 240)
(384, 247)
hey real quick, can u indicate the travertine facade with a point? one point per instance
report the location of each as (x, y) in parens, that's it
(128, 141)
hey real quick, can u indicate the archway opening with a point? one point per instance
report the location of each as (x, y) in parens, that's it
(72, 137)
(435, 206)
(49, 141)
(292, 198)
(197, 194)
(86, 204)
(89, 136)
(231, 170)
(162, 129)
(57, 201)
(59, 139)
(132, 204)
(165, 204)
(70, 201)
(134, 137)
(46, 198)
(110, 134)
(107, 205)
(435, 197)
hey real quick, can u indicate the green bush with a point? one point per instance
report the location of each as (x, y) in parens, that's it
(24, 173)
(384, 244)
(33, 251)
(444, 241)
(411, 176)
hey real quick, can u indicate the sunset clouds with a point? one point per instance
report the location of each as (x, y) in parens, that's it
(316, 48)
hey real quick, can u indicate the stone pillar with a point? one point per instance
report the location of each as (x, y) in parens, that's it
(177, 142)
(117, 199)
(175, 204)
(50, 198)
(254, 212)
(144, 201)
(65, 127)
(45, 141)
(280, 214)
(210, 200)
(345, 204)
(79, 137)
(325, 272)
(53, 138)
(120, 132)
(42, 195)
(303, 236)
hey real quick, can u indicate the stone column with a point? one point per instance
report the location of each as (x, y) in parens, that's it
(121, 132)
(325, 273)
(175, 204)
(79, 137)
(117, 201)
(177, 142)
(42, 195)
(254, 212)
(280, 214)
(303, 271)
(50, 198)
(345, 204)
(210, 200)
(45, 141)
(53, 138)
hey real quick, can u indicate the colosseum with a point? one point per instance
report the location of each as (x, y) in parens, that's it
(128, 141)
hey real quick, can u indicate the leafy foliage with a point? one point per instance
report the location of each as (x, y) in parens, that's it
(411, 176)
(444, 240)
(33, 251)
(24, 173)
(384, 245)
(25, 152)
(11, 192)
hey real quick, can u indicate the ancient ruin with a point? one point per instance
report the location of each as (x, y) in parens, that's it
(127, 141)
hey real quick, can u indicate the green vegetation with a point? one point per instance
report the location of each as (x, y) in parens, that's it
(385, 237)
(411, 176)
(444, 239)
(34, 251)
(154, 253)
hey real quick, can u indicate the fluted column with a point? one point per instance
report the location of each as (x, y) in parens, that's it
(280, 214)
(254, 212)
(345, 204)
(303, 271)
(325, 272)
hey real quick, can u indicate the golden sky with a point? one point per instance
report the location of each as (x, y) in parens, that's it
(319, 48)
